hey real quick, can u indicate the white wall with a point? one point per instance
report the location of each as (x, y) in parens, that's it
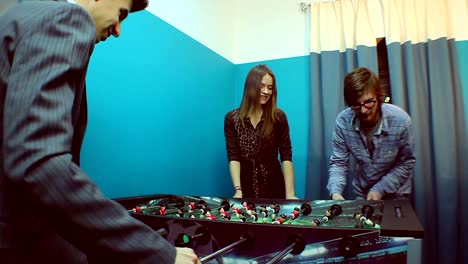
(269, 29)
(240, 30)
(209, 22)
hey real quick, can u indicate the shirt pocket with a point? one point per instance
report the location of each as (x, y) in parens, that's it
(387, 154)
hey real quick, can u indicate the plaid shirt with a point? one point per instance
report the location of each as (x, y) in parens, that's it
(389, 170)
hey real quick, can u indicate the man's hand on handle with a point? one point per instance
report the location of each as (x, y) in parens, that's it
(373, 196)
(186, 256)
(337, 197)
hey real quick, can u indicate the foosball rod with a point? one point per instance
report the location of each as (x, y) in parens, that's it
(245, 238)
(296, 245)
(178, 203)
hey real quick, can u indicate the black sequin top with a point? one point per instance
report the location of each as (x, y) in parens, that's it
(261, 174)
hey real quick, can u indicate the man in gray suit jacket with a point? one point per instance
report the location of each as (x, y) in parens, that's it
(50, 211)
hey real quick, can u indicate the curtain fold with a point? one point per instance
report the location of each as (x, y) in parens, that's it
(425, 80)
(337, 47)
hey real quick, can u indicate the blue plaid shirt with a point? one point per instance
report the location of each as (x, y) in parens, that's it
(389, 170)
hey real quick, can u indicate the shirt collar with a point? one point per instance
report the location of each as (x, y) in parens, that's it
(382, 124)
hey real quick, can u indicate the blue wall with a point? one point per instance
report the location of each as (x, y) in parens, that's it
(157, 100)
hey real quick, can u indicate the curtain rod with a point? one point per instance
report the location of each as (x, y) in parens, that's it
(305, 6)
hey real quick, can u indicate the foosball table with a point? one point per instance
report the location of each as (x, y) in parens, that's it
(229, 230)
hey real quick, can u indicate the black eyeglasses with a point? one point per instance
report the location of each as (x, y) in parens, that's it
(367, 104)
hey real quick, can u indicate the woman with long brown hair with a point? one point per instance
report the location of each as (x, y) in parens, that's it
(255, 133)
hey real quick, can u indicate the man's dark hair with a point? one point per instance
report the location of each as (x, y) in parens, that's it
(138, 5)
(359, 82)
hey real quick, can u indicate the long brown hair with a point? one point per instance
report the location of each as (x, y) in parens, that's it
(251, 99)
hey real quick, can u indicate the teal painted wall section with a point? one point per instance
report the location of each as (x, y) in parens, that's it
(292, 75)
(462, 48)
(156, 103)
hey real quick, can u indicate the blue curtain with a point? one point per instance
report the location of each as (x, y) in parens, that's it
(425, 80)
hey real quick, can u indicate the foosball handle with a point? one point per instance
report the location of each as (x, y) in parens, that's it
(163, 232)
(367, 211)
(349, 246)
(306, 209)
(295, 244)
(398, 212)
(246, 240)
(336, 210)
(202, 236)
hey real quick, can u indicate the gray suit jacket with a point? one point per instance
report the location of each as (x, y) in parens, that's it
(50, 211)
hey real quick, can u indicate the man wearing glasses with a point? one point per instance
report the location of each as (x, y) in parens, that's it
(379, 138)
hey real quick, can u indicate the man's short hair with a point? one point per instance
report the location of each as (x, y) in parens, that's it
(139, 5)
(361, 81)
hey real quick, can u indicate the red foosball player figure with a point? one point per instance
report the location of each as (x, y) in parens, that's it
(236, 210)
(208, 214)
(162, 210)
(295, 214)
(249, 207)
(280, 220)
(223, 213)
(136, 210)
(191, 206)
